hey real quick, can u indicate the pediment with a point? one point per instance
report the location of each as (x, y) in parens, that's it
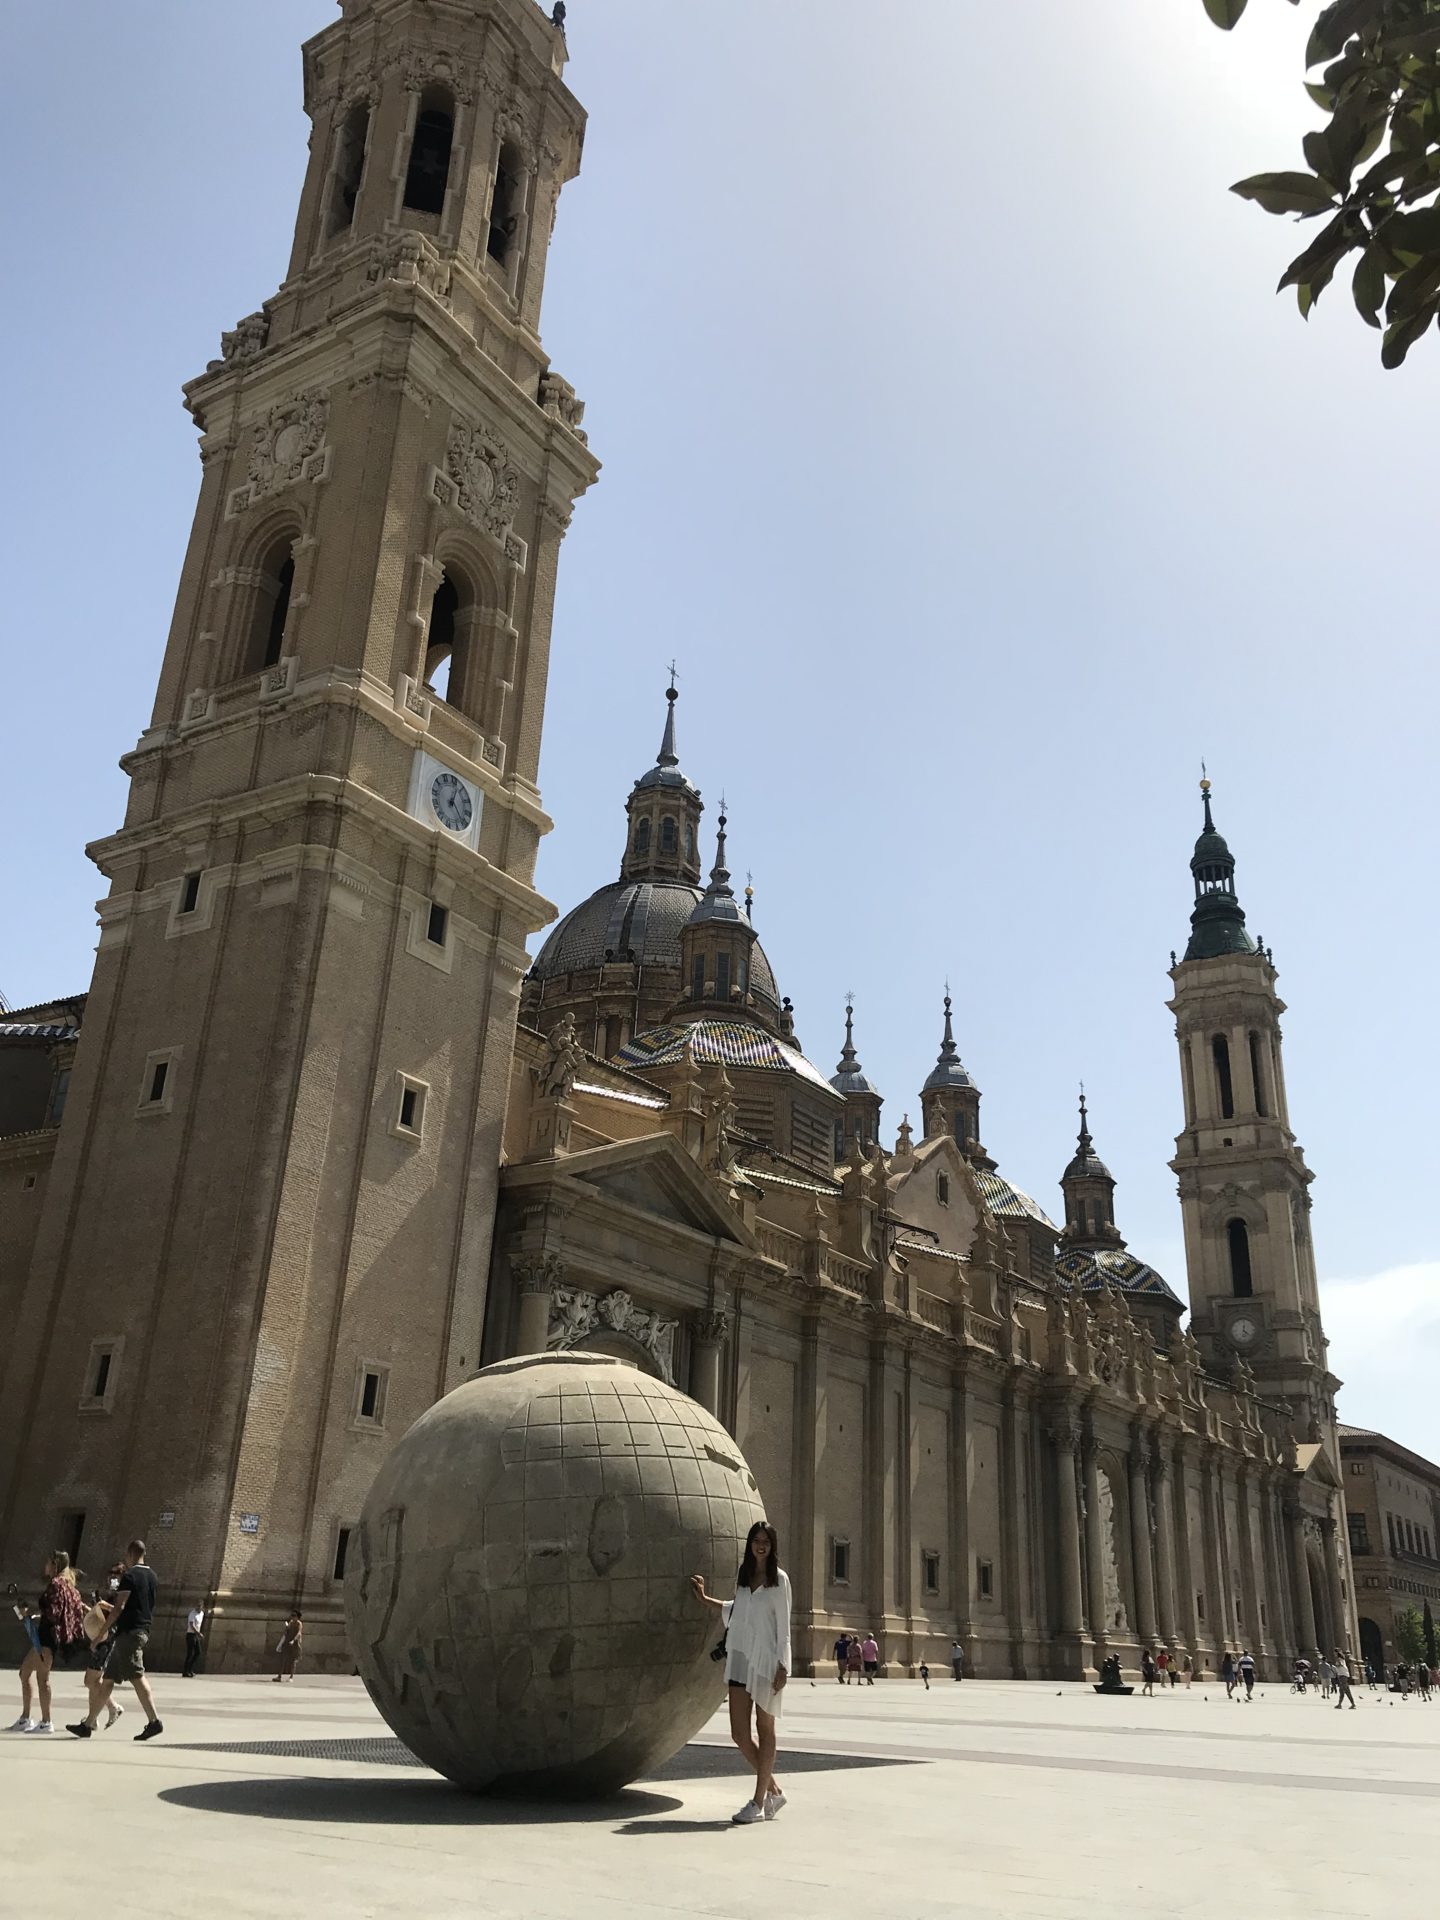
(1315, 1464)
(657, 1177)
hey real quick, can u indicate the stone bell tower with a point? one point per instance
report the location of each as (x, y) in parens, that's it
(273, 1196)
(1244, 1184)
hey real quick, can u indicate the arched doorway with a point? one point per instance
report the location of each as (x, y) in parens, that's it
(1372, 1644)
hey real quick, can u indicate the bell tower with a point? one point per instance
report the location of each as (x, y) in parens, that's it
(1244, 1184)
(273, 1197)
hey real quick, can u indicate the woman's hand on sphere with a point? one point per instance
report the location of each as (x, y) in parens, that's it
(781, 1676)
(697, 1581)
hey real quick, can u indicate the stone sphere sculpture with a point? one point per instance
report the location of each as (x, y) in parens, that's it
(518, 1598)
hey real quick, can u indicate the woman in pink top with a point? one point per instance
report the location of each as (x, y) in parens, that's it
(870, 1654)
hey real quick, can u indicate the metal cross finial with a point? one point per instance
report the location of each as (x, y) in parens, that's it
(1204, 779)
(674, 676)
(849, 999)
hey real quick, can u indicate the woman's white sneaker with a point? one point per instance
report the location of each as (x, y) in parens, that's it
(112, 1714)
(747, 1815)
(41, 1726)
(773, 1803)
(23, 1725)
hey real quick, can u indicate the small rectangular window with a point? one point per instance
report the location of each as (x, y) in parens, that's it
(189, 893)
(697, 977)
(102, 1373)
(839, 1562)
(942, 1188)
(159, 1073)
(1200, 1608)
(439, 924)
(985, 1579)
(722, 976)
(370, 1397)
(409, 1123)
(930, 1570)
(342, 1549)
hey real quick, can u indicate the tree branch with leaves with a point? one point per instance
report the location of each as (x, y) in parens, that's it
(1374, 169)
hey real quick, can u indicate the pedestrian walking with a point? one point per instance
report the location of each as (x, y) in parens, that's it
(1247, 1671)
(194, 1641)
(56, 1632)
(132, 1614)
(1147, 1672)
(1227, 1674)
(1327, 1677)
(842, 1657)
(757, 1662)
(925, 1676)
(288, 1646)
(854, 1664)
(1162, 1665)
(870, 1654)
(1189, 1671)
(1370, 1675)
(101, 1637)
(1343, 1690)
(957, 1660)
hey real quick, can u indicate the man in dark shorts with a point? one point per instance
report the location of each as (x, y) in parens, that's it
(131, 1623)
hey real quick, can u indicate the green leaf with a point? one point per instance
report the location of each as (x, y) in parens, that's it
(1286, 192)
(1322, 95)
(1317, 151)
(1224, 12)
(1368, 286)
(1315, 267)
(1402, 336)
(1417, 232)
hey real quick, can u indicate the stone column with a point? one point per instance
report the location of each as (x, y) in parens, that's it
(1065, 1432)
(1140, 1538)
(536, 1277)
(1249, 1586)
(1339, 1626)
(1165, 1545)
(1095, 1548)
(707, 1336)
(1300, 1569)
(1217, 1600)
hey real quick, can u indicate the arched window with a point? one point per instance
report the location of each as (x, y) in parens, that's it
(350, 144)
(667, 834)
(428, 174)
(1081, 1220)
(962, 1128)
(642, 836)
(689, 841)
(942, 1188)
(270, 608)
(505, 206)
(440, 641)
(697, 977)
(722, 976)
(1220, 1050)
(839, 1141)
(1256, 1076)
(1241, 1283)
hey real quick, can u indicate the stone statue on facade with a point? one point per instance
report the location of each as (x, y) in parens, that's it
(557, 1074)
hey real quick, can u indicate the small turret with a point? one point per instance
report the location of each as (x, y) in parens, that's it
(663, 811)
(1089, 1189)
(862, 1099)
(715, 946)
(950, 1099)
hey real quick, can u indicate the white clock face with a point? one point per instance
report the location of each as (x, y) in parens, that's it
(450, 798)
(1243, 1332)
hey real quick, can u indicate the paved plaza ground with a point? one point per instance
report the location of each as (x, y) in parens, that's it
(968, 1802)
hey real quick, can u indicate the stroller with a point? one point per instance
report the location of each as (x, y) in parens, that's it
(1301, 1677)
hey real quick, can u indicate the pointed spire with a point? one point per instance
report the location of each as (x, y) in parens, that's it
(1205, 796)
(848, 1062)
(667, 756)
(749, 897)
(720, 873)
(1086, 1143)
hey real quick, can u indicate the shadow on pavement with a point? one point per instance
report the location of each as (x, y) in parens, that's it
(410, 1803)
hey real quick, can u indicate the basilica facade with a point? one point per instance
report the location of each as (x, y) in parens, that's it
(322, 1137)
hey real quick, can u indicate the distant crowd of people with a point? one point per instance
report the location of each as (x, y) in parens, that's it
(105, 1637)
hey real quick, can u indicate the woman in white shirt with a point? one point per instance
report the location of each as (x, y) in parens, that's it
(757, 1661)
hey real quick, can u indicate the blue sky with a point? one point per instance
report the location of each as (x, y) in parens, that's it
(958, 449)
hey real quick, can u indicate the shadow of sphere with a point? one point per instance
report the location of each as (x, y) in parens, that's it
(405, 1803)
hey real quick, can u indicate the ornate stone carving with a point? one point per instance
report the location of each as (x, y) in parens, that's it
(1109, 1560)
(558, 398)
(576, 1314)
(487, 487)
(557, 1074)
(415, 261)
(537, 1272)
(709, 1329)
(287, 447)
(247, 341)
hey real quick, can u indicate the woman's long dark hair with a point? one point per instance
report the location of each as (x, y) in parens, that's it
(772, 1559)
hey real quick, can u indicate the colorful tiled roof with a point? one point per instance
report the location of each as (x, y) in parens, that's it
(1008, 1202)
(1092, 1268)
(727, 1043)
(37, 1030)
